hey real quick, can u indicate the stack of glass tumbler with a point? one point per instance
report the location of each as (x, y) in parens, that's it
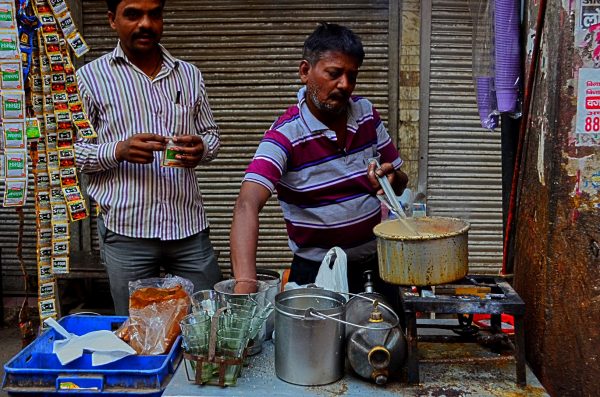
(216, 335)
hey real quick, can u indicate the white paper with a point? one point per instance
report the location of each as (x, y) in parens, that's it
(105, 346)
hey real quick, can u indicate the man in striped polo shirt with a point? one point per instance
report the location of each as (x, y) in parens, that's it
(136, 97)
(316, 157)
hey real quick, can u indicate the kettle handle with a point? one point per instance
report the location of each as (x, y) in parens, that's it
(379, 304)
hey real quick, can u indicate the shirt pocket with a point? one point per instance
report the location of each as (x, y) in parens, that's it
(370, 155)
(182, 120)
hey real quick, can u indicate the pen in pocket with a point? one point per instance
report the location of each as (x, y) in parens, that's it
(177, 97)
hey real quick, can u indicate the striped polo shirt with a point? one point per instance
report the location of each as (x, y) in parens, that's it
(144, 200)
(323, 190)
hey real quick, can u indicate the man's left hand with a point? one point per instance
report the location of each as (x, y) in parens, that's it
(190, 148)
(397, 178)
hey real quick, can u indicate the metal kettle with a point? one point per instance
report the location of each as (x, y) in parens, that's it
(359, 307)
(376, 348)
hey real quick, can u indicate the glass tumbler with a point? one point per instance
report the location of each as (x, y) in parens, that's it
(206, 301)
(195, 329)
(231, 346)
(236, 322)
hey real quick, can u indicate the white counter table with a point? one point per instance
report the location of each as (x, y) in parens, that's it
(259, 380)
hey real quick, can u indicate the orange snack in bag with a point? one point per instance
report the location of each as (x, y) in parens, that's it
(154, 315)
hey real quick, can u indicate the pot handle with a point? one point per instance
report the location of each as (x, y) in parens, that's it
(312, 312)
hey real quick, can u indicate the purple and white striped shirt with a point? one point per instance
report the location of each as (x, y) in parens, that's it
(144, 200)
(324, 191)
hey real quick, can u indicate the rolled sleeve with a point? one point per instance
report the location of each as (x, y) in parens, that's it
(261, 180)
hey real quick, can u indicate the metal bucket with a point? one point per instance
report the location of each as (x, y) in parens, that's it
(226, 288)
(309, 350)
(272, 278)
(438, 254)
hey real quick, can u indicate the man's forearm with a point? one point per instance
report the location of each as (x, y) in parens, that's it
(244, 241)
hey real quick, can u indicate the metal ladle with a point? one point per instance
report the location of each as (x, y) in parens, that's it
(391, 200)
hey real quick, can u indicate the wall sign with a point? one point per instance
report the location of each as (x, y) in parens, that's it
(587, 128)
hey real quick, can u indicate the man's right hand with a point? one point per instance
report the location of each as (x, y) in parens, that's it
(245, 286)
(140, 148)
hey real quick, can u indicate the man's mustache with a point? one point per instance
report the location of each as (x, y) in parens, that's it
(144, 34)
(339, 96)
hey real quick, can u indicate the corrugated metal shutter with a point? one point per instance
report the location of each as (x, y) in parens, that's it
(248, 52)
(464, 161)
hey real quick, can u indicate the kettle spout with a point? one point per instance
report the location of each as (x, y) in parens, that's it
(379, 358)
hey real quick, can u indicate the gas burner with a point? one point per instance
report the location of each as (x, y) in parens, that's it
(473, 295)
(465, 325)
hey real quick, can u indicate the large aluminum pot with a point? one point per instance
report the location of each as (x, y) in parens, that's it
(309, 350)
(437, 254)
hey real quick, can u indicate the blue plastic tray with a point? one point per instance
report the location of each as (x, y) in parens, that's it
(36, 370)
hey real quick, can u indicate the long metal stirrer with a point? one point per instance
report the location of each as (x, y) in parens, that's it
(392, 201)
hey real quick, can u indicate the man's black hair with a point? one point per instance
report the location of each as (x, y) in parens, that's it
(332, 37)
(112, 4)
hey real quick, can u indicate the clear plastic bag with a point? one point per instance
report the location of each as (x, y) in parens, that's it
(156, 305)
(333, 273)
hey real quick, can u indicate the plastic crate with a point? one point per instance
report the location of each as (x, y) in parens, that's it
(36, 370)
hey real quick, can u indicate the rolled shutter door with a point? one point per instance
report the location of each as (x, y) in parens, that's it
(249, 52)
(464, 177)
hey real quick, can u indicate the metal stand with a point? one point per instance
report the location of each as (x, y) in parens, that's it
(502, 299)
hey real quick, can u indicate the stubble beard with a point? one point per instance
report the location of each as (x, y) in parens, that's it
(324, 106)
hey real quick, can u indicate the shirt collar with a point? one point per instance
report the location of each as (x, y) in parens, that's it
(168, 60)
(314, 124)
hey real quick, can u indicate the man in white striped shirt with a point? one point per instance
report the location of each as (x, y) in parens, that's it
(137, 97)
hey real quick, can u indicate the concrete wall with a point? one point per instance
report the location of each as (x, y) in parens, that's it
(409, 89)
(557, 264)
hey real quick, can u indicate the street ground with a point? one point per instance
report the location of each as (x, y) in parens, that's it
(10, 345)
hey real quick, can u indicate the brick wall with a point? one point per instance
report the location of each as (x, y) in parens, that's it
(409, 89)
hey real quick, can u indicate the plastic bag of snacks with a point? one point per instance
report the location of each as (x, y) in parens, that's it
(156, 305)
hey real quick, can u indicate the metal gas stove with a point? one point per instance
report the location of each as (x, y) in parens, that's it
(471, 296)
